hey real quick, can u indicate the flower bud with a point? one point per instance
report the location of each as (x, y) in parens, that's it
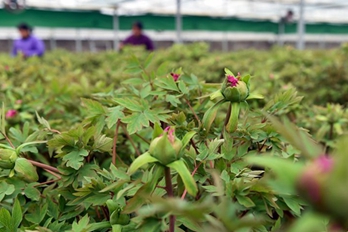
(7, 158)
(175, 76)
(166, 148)
(25, 170)
(311, 183)
(11, 113)
(234, 89)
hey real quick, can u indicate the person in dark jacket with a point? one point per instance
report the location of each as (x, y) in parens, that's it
(28, 45)
(138, 38)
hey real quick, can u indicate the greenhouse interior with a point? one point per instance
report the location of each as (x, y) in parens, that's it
(173, 115)
(225, 24)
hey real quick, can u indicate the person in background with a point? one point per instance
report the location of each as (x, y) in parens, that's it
(138, 38)
(28, 45)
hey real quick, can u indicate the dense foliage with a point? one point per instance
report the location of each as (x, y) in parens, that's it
(135, 142)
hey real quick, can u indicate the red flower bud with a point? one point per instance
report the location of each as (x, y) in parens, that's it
(11, 113)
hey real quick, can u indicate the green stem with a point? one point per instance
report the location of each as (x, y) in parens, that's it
(233, 119)
(114, 151)
(169, 188)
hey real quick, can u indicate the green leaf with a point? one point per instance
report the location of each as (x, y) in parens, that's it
(210, 115)
(253, 96)
(245, 201)
(6, 220)
(32, 193)
(296, 137)
(162, 70)
(157, 131)
(167, 83)
(183, 88)
(130, 104)
(75, 158)
(117, 228)
(94, 108)
(287, 172)
(135, 122)
(37, 215)
(142, 160)
(16, 214)
(113, 186)
(148, 60)
(99, 226)
(293, 205)
(43, 121)
(114, 114)
(185, 175)
(188, 136)
(228, 72)
(2, 119)
(81, 225)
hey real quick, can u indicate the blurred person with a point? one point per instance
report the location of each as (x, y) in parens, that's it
(138, 38)
(27, 45)
(288, 18)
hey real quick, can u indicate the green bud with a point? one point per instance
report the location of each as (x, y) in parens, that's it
(234, 90)
(25, 170)
(166, 148)
(7, 158)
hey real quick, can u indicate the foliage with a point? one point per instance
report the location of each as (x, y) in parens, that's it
(130, 142)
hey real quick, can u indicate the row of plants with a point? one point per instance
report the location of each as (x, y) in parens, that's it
(131, 142)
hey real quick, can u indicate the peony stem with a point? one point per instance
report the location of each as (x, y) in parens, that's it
(114, 151)
(169, 188)
(44, 166)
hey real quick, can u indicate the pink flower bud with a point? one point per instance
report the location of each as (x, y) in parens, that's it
(7, 68)
(310, 183)
(175, 76)
(11, 113)
(232, 80)
(19, 102)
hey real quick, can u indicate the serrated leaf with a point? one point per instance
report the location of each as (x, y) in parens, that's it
(75, 158)
(130, 104)
(167, 83)
(114, 114)
(94, 108)
(135, 122)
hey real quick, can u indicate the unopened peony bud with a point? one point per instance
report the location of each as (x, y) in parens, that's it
(175, 76)
(311, 181)
(7, 158)
(234, 89)
(25, 170)
(166, 148)
(11, 113)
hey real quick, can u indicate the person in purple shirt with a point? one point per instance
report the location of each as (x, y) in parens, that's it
(138, 38)
(28, 45)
